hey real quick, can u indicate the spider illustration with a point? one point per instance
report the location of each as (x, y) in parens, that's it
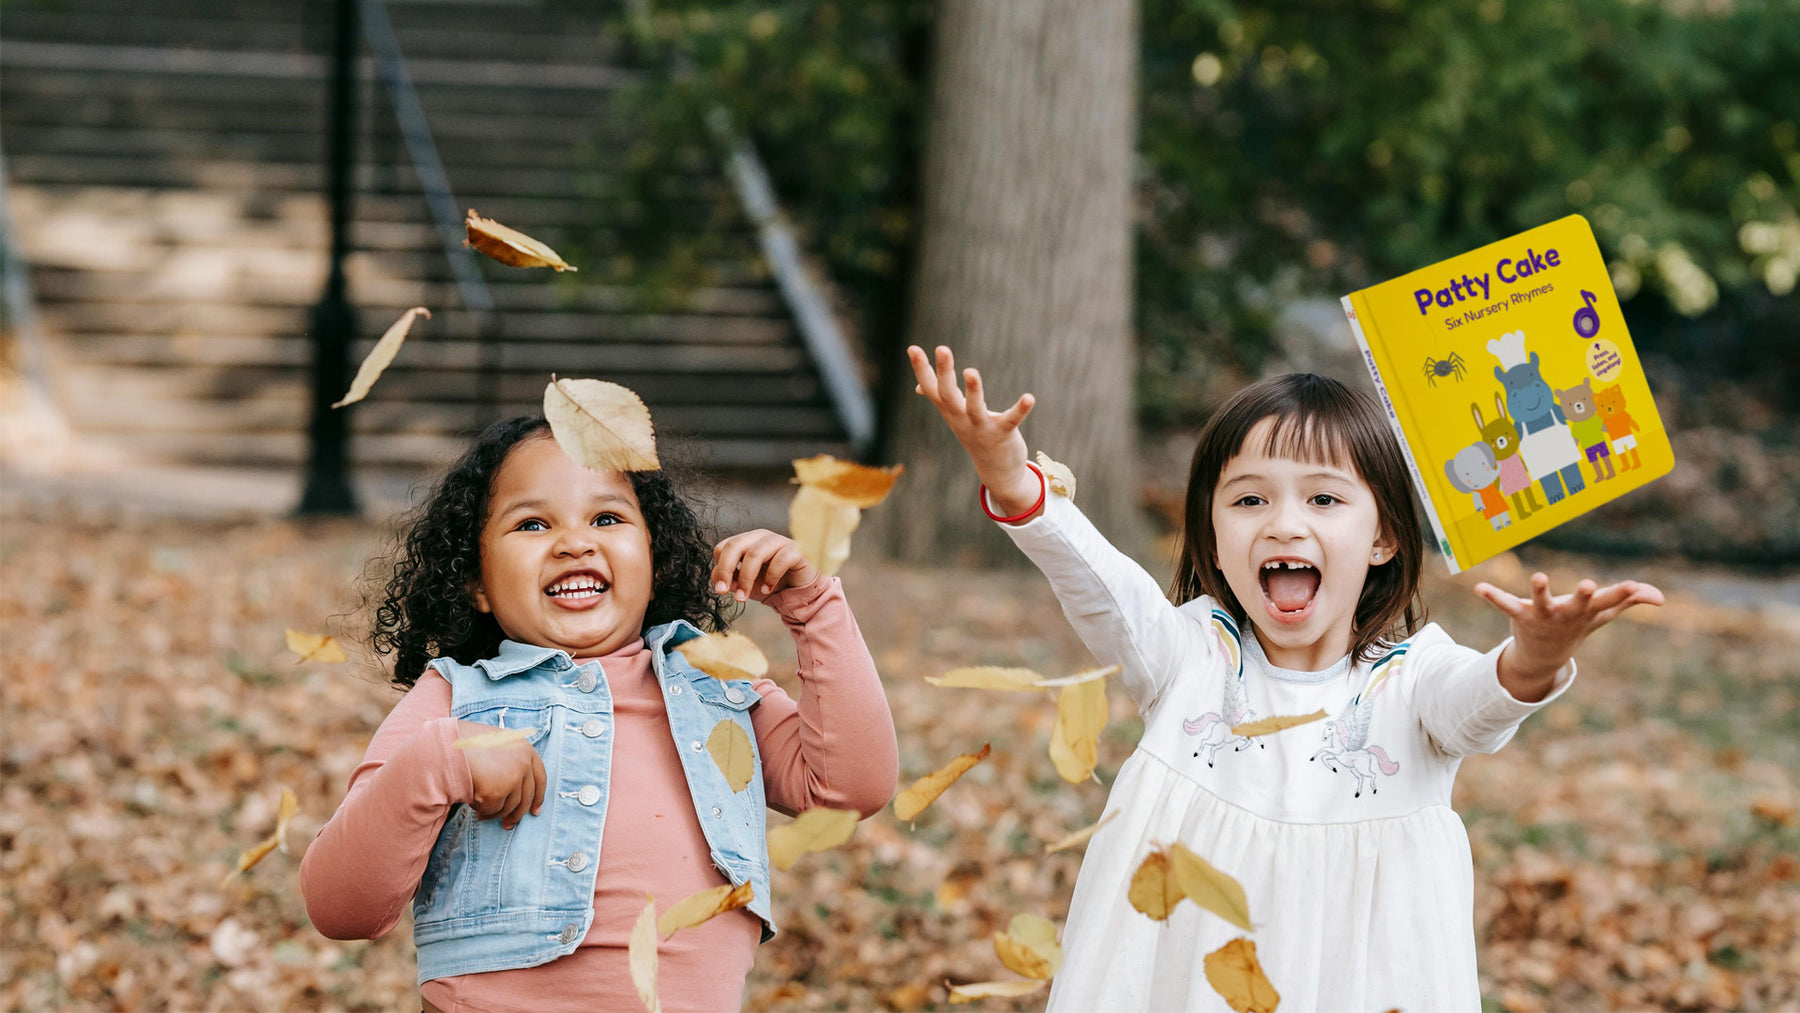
(1435, 368)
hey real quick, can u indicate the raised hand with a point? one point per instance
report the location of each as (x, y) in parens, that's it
(509, 780)
(992, 439)
(1546, 629)
(756, 564)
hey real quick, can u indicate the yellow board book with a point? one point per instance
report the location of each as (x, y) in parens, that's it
(1513, 387)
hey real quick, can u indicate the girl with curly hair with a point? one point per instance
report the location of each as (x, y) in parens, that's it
(534, 595)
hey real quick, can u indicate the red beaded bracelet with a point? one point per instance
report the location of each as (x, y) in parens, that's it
(1043, 491)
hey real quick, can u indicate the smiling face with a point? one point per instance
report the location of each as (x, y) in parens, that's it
(1295, 540)
(565, 553)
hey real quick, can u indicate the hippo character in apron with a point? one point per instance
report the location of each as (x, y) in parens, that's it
(1545, 442)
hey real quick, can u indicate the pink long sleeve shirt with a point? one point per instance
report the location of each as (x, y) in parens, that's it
(834, 747)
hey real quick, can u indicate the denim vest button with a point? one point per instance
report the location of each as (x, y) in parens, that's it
(718, 812)
(577, 862)
(734, 694)
(594, 728)
(586, 682)
(697, 746)
(569, 934)
(588, 795)
(675, 689)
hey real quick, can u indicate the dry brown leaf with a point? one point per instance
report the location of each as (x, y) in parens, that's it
(290, 806)
(730, 749)
(726, 656)
(320, 647)
(1772, 812)
(602, 425)
(821, 524)
(1080, 836)
(988, 677)
(704, 906)
(977, 991)
(911, 802)
(642, 954)
(1208, 887)
(857, 484)
(1251, 729)
(493, 740)
(1233, 972)
(1075, 740)
(1057, 475)
(1154, 889)
(509, 246)
(382, 355)
(815, 829)
(1029, 947)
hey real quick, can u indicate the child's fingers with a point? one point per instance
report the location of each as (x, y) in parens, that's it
(921, 366)
(783, 562)
(1504, 600)
(946, 376)
(1584, 594)
(749, 566)
(1540, 593)
(540, 782)
(976, 404)
(1011, 418)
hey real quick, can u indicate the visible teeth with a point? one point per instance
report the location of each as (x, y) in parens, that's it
(576, 585)
(1279, 564)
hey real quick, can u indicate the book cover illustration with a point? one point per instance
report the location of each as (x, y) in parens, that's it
(1513, 386)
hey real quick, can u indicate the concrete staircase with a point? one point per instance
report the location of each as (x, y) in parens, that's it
(165, 179)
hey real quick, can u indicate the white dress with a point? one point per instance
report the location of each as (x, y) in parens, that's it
(1357, 872)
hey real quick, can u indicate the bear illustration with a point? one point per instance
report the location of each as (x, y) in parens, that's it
(1577, 404)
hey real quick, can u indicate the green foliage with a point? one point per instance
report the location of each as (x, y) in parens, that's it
(828, 92)
(1290, 149)
(1327, 146)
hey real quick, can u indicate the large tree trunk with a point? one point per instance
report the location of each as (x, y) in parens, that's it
(1024, 264)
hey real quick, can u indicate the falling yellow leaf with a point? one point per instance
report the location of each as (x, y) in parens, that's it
(704, 906)
(988, 677)
(509, 246)
(1210, 888)
(602, 425)
(1080, 836)
(1079, 677)
(857, 484)
(1233, 972)
(382, 355)
(495, 739)
(816, 829)
(1029, 947)
(821, 524)
(1251, 729)
(1057, 475)
(730, 749)
(290, 806)
(1075, 739)
(980, 990)
(911, 802)
(641, 951)
(320, 647)
(726, 656)
(1154, 889)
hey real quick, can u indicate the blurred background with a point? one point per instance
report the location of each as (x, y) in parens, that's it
(210, 210)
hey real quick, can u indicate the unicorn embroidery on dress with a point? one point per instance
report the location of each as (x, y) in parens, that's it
(1214, 727)
(1346, 736)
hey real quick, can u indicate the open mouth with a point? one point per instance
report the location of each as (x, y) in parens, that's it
(578, 586)
(1289, 586)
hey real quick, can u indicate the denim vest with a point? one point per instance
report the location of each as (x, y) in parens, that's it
(494, 899)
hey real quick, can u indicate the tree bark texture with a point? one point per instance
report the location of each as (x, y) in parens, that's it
(1024, 260)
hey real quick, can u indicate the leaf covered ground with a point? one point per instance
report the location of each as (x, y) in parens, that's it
(1634, 847)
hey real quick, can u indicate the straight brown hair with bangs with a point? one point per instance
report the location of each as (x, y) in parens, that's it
(1317, 419)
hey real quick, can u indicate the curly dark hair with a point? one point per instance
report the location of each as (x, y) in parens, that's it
(425, 610)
